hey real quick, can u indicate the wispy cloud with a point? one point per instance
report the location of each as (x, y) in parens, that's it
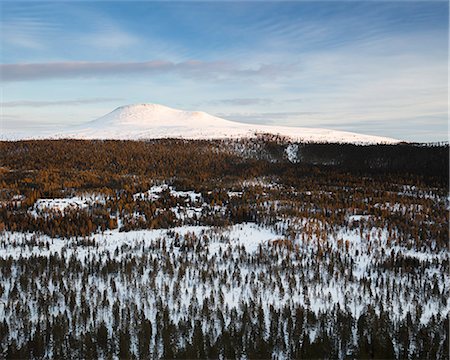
(22, 26)
(103, 32)
(30, 103)
(243, 101)
(295, 100)
(25, 33)
(192, 68)
(270, 118)
(110, 38)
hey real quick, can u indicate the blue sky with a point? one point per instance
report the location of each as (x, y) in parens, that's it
(372, 67)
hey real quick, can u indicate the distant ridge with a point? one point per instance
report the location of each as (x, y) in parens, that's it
(154, 121)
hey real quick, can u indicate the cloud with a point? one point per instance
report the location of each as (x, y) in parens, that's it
(111, 39)
(40, 26)
(17, 123)
(23, 27)
(23, 33)
(295, 100)
(32, 103)
(243, 101)
(431, 127)
(192, 68)
(103, 32)
(269, 118)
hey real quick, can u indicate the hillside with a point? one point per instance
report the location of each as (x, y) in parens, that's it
(152, 121)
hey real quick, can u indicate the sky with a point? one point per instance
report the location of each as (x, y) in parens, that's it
(377, 68)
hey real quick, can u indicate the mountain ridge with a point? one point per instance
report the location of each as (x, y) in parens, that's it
(154, 121)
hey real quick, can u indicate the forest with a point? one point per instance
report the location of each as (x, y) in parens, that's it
(254, 248)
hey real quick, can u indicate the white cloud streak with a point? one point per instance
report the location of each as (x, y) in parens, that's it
(42, 103)
(190, 69)
(243, 101)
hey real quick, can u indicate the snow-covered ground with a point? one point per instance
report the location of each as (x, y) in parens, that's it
(323, 293)
(156, 191)
(292, 153)
(351, 265)
(286, 265)
(82, 201)
(60, 204)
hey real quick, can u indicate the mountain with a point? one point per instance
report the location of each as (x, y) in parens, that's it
(152, 121)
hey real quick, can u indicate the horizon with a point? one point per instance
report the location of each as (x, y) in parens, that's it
(370, 68)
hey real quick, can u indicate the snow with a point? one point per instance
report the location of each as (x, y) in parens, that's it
(234, 250)
(291, 153)
(248, 235)
(355, 218)
(235, 194)
(155, 191)
(153, 121)
(60, 204)
(79, 202)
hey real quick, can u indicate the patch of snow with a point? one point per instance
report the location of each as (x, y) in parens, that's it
(154, 193)
(355, 218)
(60, 204)
(292, 153)
(235, 193)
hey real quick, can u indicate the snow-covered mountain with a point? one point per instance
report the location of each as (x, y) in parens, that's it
(150, 121)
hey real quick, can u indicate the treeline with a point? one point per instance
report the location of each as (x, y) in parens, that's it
(50, 165)
(431, 162)
(67, 223)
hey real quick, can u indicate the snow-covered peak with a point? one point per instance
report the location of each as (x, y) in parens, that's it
(141, 106)
(153, 121)
(141, 116)
(153, 108)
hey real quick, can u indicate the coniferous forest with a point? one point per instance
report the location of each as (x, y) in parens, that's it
(254, 248)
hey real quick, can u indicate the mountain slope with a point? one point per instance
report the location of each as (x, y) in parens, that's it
(152, 121)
